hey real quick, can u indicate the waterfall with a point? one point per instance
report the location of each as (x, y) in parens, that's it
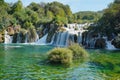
(18, 38)
(8, 38)
(79, 38)
(61, 39)
(42, 41)
(109, 46)
(26, 38)
(52, 41)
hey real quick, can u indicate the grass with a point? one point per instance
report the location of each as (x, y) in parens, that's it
(109, 64)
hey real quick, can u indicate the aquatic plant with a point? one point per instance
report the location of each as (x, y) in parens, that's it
(78, 52)
(66, 56)
(109, 64)
(60, 56)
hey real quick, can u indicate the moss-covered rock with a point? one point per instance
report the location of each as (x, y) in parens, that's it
(23, 34)
(32, 35)
(51, 32)
(15, 38)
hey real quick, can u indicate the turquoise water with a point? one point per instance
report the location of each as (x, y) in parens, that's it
(25, 62)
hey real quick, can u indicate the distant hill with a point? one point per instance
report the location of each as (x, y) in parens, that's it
(87, 16)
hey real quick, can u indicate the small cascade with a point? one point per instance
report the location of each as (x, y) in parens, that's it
(61, 39)
(8, 38)
(42, 41)
(26, 38)
(79, 38)
(52, 41)
(109, 46)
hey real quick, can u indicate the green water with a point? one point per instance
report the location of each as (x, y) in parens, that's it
(25, 62)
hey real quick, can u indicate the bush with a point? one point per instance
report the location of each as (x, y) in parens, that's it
(78, 52)
(60, 55)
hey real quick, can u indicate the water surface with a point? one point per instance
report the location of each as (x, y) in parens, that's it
(25, 62)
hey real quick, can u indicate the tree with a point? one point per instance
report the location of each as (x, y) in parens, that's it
(18, 6)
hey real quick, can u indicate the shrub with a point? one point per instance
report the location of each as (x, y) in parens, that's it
(60, 55)
(78, 52)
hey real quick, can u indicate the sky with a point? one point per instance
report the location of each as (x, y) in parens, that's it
(75, 5)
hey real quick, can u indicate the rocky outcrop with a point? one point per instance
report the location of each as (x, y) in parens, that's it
(100, 43)
(51, 32)
(1, 38)
(116, 42)
(10, 31)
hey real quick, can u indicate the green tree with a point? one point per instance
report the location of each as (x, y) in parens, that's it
(18, 6)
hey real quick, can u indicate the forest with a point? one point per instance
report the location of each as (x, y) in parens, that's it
(41, 13)
(30, 18)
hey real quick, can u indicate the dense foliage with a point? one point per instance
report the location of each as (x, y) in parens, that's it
(109, 23)
(41, 13)
(87, 16)
(35, 14)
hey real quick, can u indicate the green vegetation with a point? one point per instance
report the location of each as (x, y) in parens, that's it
(108, 63)
(42, 13)
(36, 15)
(60, 56)
(78, 52)
(109, 24)
(87, 16)
(66, 56)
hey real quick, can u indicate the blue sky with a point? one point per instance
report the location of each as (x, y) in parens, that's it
(75, 5)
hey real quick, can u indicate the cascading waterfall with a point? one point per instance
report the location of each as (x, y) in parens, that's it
(109, 46)
(26, 38)
(42, 41)
(61, 39)
(79, 38)
(8, 38)
(72, 34)
(52, 41)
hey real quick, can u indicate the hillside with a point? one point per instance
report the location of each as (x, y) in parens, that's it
(87, 16)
